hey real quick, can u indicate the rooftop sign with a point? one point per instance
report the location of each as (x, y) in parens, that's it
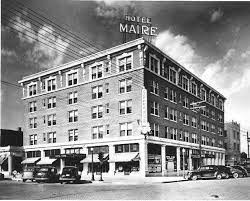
(138, 25)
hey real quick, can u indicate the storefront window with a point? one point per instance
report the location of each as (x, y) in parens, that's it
(127, 167)
(97, 167)
(126, 148)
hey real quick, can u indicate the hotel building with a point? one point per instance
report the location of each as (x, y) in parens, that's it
(106, 102)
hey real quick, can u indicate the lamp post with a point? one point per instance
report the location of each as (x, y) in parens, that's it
(183, 161)
(92, 164)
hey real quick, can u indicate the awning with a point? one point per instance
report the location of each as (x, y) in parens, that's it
(46, 161)
(88, 159)
(125, 157)
(3, 157)
(30, 160)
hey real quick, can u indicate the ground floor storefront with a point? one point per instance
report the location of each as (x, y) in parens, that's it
(135, 156)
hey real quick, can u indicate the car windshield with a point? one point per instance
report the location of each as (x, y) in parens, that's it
(68, 170)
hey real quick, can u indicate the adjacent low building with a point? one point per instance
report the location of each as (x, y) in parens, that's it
(232, 143)
(131, 102)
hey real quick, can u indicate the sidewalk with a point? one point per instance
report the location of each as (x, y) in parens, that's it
(135, 180)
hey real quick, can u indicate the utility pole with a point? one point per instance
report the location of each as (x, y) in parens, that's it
(198, 107)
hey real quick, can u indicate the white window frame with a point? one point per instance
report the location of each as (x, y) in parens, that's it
(99, 89)
(52, 118)
(126, 106)
(126, 81)
(128, 127)
(185, 78)
(96, 64)
(67, 77)
(156, 108)
(204, 93)
(50, 79)
(74, 135)
(74, 97)
(193, 83)
(28, 89)
(158, 66)
(99, 109)
(121, 57)
(156, 129)
(173, 69)
(75, 114)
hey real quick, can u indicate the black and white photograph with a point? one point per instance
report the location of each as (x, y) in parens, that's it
(125, 100)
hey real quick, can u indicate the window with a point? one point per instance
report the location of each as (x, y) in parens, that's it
(186, 119)
(166, 113)
(166, 131)
(51, 102)
(44, 137)
(207, 126)
(203, 141)
(203, 125)
(33, 154)
(52, 137)
(173, 133)
(154, 87)
(213, 142)
(220, 131)
(220, 143)
(212, 99)
(194, 89)
(180, 134)
(125, 63)
(126, 129)
(154, 64)
(73, 135)
(172, 75)
(166, 93)
(186, 136)
(107, 108)
(212, 128)
(32, 88)
(51, 84)
(97, 112)
(194, 122)
(33, 122)
(125, 85)
(173, 114)
(172, 95)
(107, 129)
(33, 139)
(185, 102)
(194, 138)
(207, 140)
(238, 136)
(154, 108)
(125, 107)
(203, 94)
(73, 97)
(73, 116)
(97, 92)
(96, 71)
(203, 111)
(51, 152)
(126, 148)
(213, 114)
(44, 102)
(107, 88)
(154, 129)
(220, 104)
(72, 78)
(51, 119)
(220, 118)
(185, 83)
(32, 106)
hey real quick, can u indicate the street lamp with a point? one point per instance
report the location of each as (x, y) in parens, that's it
(92, 164)
(183, 164)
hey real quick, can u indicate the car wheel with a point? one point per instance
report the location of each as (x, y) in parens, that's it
(194, 177)
(235, 175)
(218, 176)
(24, 180)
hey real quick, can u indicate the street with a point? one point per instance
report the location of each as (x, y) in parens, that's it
(226, 189)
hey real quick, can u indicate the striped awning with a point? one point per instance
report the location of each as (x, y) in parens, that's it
(3, 157)
(88, 159)
(30, 160)
(125, 157)
(46, 161)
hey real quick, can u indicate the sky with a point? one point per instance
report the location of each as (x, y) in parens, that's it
(211, 39)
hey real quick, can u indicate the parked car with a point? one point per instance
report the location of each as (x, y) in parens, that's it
(70, 174)
(207, 171)
(29, 173)
(46, 174)
(1, 176)
(242, 169)
(230, 171)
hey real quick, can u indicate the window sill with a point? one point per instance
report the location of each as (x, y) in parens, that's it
(154, 94)
(154, 115)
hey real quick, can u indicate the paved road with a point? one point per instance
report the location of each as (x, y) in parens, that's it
(231, 189)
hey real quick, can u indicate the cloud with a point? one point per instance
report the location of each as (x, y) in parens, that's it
(245, 54)
(45, 56)
(179, 48)
(216, 15)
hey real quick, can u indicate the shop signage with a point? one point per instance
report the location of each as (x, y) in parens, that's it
(144, 108)
(209, 156)
(138, 25)
(69, 156)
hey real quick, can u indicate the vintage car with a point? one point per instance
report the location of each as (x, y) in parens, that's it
(208, 171)
(46, 174)
(70, 174)
(29, 173)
